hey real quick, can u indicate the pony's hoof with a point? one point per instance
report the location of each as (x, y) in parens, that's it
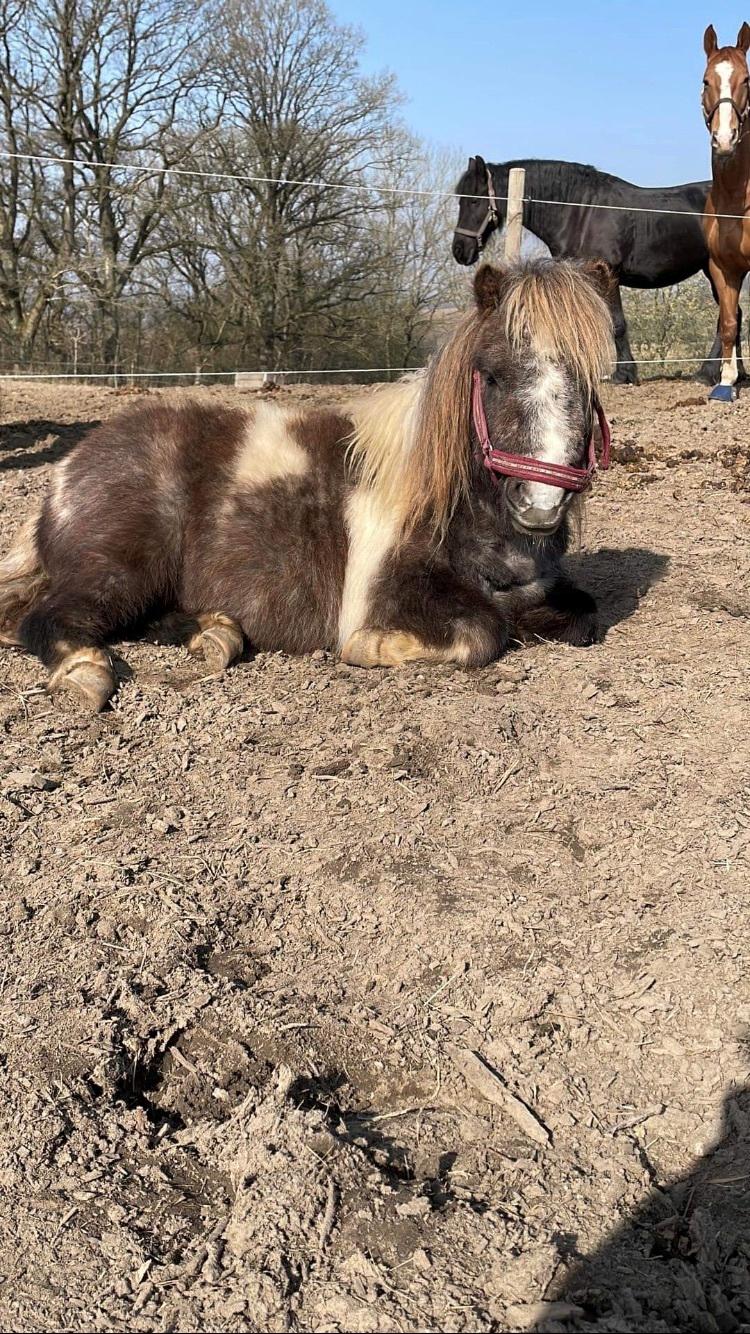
(382, 648)
(723, 393)
(84, 682)
(219, 643)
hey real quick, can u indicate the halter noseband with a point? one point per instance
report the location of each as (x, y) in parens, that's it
(741, 115)
(490, 219)
(537, 470)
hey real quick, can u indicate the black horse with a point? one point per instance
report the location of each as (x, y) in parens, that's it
(642, 249)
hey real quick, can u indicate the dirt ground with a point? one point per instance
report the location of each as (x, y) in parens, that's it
(402, 1000)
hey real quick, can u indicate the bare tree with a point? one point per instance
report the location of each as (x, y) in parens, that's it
(36, 221)
(287, 243)
(103, 86)
(298, 113)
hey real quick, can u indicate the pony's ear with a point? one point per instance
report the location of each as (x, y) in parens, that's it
(489, 282)
(710, 43)
(743, 38)
(600, 276)
(481, 165)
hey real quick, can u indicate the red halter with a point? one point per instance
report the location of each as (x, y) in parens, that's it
(536, 470)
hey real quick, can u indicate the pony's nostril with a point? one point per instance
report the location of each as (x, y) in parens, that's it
(514, 492)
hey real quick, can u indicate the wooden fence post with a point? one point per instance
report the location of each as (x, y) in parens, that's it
(514, 213)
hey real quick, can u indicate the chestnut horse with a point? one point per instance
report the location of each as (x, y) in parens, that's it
(726, 106)
(427, 524)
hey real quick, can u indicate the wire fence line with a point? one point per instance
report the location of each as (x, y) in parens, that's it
(161, 169)
(198, 375)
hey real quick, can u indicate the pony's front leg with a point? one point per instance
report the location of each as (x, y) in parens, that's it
(567, 613)
(728, 285)
(211, 635)
(427, 615)
(218, 640)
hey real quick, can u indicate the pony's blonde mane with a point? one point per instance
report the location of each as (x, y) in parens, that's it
(411, 442)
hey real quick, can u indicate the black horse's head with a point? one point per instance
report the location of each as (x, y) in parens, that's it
(479, 212)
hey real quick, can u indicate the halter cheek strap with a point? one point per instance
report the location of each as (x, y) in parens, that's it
(537, 470)
(490, 219)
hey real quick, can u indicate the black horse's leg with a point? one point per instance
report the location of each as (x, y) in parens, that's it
(742, 376)
(420, 612)
(710, 371)
(626, 371)
(568, 614)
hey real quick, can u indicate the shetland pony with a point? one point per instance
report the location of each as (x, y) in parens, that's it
(379, 533)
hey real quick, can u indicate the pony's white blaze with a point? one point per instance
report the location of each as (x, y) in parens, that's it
(372, 530)
(723, 122)
(550, 432)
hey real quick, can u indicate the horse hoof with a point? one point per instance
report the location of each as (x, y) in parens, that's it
(84, 682)
(723, 393)
(220, 643)
(382, 648)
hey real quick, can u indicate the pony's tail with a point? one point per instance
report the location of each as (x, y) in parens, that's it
(22, 579)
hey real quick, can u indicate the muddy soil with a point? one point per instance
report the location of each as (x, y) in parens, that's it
(395, 1000)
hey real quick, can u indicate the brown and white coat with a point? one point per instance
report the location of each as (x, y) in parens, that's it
(377, 534)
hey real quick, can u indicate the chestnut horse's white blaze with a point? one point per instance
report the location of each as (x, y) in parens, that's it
(723, 132)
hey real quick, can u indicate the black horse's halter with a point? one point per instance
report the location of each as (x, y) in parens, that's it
(491, 218)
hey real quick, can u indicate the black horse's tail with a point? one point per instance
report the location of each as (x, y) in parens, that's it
(22, 579)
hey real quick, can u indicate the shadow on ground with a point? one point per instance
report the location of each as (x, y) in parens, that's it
(618, 579)
(682, 1262)
(20, 442)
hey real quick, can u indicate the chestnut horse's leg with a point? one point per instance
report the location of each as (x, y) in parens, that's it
(709, 371)
(567, 613)
(728, 284)
(422, 613)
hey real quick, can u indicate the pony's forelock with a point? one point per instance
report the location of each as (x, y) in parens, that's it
(553, 309)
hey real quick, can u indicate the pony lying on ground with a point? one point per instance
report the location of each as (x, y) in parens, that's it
(427, 524)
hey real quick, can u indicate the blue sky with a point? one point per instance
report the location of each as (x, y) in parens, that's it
(615, 83)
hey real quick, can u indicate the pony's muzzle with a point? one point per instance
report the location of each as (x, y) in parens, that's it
(535, 509)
